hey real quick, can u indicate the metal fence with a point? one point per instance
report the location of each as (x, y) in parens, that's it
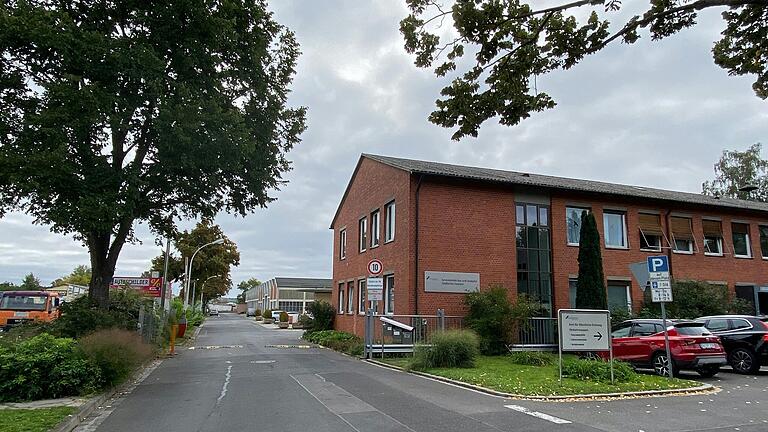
(151, 323)
(535, 333)
(387, 334)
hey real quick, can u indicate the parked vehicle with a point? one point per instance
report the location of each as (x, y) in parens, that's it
(213, 312)
(693, 347)
(18, 307)
(276, 315)
(745, 339)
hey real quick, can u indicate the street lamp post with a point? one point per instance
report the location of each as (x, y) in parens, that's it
(202, 289)
(189, 270)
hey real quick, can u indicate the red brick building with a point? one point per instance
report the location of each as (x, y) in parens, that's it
(427, 220)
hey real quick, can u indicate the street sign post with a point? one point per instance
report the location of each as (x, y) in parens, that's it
(584, 330)
(661, 292)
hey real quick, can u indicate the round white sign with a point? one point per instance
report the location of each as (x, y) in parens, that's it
(375, 267)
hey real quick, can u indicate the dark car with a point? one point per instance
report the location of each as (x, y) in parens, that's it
(693, 347)
(745, 339)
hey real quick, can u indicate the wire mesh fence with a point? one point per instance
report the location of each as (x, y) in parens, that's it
(386, 334)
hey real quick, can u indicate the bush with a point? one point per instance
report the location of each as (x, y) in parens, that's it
(116, 352)
(532, 358)
(323, 314)
(619, 315)
(83, 316)
(305, 321)
(450, 349)
(739, 306)
(284, 317)
(336, 340)
(45, 367)
(598, 370)
(257, 313)
(488, 316)
(692, 299)
(267, 314)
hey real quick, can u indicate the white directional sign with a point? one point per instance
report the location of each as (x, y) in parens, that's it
(375, 288)
(584, 330)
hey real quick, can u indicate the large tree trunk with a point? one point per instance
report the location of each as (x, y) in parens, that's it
(104, 260)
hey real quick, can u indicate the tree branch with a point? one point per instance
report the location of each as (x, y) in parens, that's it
(530, 41)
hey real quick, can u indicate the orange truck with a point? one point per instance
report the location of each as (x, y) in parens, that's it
(19, 307)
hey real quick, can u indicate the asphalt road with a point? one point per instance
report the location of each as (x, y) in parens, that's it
(241, 376)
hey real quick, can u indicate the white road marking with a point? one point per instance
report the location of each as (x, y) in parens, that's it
(227, 377)
(537, 414)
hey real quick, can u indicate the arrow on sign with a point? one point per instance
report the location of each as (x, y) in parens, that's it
(598, 336)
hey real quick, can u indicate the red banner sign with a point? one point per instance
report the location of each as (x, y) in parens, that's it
(148, 286)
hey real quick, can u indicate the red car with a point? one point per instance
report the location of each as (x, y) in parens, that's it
(641, 343)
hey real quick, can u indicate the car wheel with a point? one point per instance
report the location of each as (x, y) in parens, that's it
(661, 365)
(709, 371)
(743, 361)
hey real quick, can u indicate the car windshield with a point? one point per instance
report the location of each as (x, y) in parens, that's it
(22, 302)
(692, 330)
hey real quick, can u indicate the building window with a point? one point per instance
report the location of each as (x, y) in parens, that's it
(389, 294)
(534, 270)
(741, 246)
(573, 223)
(713, 237)
(615, 229)
(572, 292)
(650, 232)
(363, 230)
(350, 297)
(361, 296)
(375, 217)
(764, 241)
(341, 298)
(343, 244)
(389, 224)
(682, 234)
(618, 296)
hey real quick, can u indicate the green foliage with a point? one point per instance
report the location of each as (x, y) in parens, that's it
(489, 316)
(81, 275)
(83, 316)
(737, 169)
(8, 286)
(30, 283)
(447, 349)
(267, 314)
(284, 317)
(590, 288)
(619, 314)
(740, 306)
(599, 370)
(323, 314)
(116, 352)
(257, 313)
(305, 321)
(33, 420)
(45, 367)
(245, 286)
(692, 299)
(532, 358)
(336, 340)
(151, 111)
(510, 43)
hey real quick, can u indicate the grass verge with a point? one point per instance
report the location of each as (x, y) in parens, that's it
(32, 420)
(500, 374)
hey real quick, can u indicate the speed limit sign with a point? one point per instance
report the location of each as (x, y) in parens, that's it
(375, 267)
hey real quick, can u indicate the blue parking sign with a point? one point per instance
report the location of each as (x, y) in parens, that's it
(659, 263)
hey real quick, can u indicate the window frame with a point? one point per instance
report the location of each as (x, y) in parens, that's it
(623, 215)
(644, 239)
(389, 307)
(746, 237)
(362, 234)
(760, 233)
(689, 250)
(719, 245)
(351, 298)
(390, 219)
(340, 299)
(361, 296)
(568, 241)
(375, 234)
(343, 244)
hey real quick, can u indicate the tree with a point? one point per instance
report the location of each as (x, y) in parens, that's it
(511, 42)
(590, 287)
(245, 286)
(81, 275)
(118, 112)
(214, 260)
(30, 283)
(737, 169)
(8, 286)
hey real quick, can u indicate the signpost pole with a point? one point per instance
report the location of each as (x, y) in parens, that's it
(610, 348)
(666, 338)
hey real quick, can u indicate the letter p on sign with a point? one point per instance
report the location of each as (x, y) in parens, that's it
(658, 264)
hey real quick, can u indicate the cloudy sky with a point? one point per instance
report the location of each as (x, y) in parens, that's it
(654, 113)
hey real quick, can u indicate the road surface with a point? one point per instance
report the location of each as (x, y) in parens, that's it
(241, 376)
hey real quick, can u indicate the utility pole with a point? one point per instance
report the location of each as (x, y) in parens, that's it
(165, 274)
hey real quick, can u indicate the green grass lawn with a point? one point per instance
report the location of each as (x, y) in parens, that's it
(499, 373)
(32, 420)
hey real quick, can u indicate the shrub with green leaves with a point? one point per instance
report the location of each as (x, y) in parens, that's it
(449, 349)
(284, 317)
(322, 314)
(336, 340)
(45, 367)
(267, 314)
(692, 299)
(598, 370)
(257, 313)
(532, 358)
(82, 316)
(116, 352)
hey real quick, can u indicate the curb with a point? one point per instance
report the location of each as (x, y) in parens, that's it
(90, 406)
(704, 388)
